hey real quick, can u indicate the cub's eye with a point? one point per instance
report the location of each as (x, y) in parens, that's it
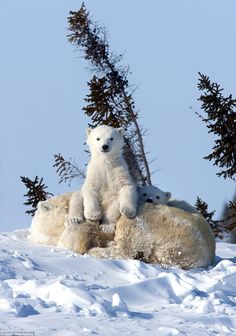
(158, 197)
(144, 195)
(98, 139)
(111, 139)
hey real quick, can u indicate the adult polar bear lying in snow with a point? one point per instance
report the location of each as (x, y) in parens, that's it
(146, 194)
(165, 234)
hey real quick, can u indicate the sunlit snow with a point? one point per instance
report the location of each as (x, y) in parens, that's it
(52, 291)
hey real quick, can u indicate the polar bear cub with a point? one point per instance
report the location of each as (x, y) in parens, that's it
(151, 194)
(76, 209)
(108, 190)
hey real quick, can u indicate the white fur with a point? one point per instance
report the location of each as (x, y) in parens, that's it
(49, 220)
(109, 189)
(151, 194)
(181, 204)
(76, 209)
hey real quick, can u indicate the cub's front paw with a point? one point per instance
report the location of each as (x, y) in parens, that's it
(108, 228)
(73, 221)
(94, 215)
(128, 212)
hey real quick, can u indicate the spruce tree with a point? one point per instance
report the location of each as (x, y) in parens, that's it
(110, 100)
(229, 214)
(220, 119)
(215, 225)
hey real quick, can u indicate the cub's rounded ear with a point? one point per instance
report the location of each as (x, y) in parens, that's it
(121, 130)
(168, 195)
(88, 131)
(140, 184)
(45, 206)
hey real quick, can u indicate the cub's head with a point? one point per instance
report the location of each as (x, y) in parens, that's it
(151, 194)
(105, 140)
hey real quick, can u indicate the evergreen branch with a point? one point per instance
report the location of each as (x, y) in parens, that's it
(229, 215)
(220, 120)
(67, 170)
(231, 219)
(215, 225)
(36, 193)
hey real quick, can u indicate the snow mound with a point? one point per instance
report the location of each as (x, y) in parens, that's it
(53, 291)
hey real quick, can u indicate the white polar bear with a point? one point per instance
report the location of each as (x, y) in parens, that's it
(76, 209)
(108, 190)
(151, 194)
(146, 194)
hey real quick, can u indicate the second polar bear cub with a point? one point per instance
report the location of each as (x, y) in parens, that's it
(109, 189)
(151, 194)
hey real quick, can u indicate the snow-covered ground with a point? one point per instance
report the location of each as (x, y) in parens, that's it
(52, 291)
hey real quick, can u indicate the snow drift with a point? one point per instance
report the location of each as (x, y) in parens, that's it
(52, 291)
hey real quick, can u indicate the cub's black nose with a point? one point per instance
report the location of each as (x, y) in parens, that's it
(149, 200)
(105, 148)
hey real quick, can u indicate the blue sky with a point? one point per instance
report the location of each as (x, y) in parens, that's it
(43, 83)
